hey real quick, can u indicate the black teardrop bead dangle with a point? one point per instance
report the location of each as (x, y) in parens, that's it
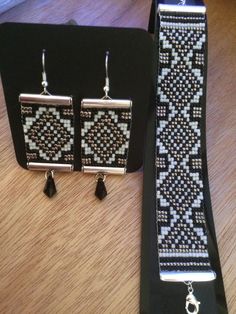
(50, 187)
(101, 191)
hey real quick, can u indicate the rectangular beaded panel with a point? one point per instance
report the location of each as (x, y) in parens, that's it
(105, 133)
(182, 237)
(48, 126)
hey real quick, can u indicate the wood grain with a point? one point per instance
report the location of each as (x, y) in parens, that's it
(8, 4)
(74, 254)
(221, 136)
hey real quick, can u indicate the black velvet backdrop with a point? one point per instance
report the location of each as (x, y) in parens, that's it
(156, 296)
(75, 66)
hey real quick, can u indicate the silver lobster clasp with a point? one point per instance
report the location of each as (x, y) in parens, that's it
(191, 300)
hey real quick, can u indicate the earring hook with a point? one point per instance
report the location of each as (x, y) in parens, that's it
(107, 81)
(44, 75)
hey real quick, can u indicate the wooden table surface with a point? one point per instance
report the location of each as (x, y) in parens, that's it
(74, 254)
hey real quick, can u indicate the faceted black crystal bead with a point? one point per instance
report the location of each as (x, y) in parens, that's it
(101, 191)
(50, 187)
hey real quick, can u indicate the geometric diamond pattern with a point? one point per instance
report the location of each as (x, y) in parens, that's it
(105, 137)
(48, 133)
(182, 238)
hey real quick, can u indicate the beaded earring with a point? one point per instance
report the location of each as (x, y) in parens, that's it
(48, 127)
(105, 135)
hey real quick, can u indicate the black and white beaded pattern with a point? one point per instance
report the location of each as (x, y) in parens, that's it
(105, 135)
(182, 238)
(48, 133)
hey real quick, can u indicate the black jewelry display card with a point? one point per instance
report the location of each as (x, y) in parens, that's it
(75, 67)
(157, 296)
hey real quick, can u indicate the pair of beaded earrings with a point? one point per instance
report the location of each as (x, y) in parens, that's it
(48, 125)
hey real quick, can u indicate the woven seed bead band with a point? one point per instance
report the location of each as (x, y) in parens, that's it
(182, 237)
(48, 133)
(105, 137)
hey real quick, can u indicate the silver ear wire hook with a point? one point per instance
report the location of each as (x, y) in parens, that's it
(44, 75)
(107, 82)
